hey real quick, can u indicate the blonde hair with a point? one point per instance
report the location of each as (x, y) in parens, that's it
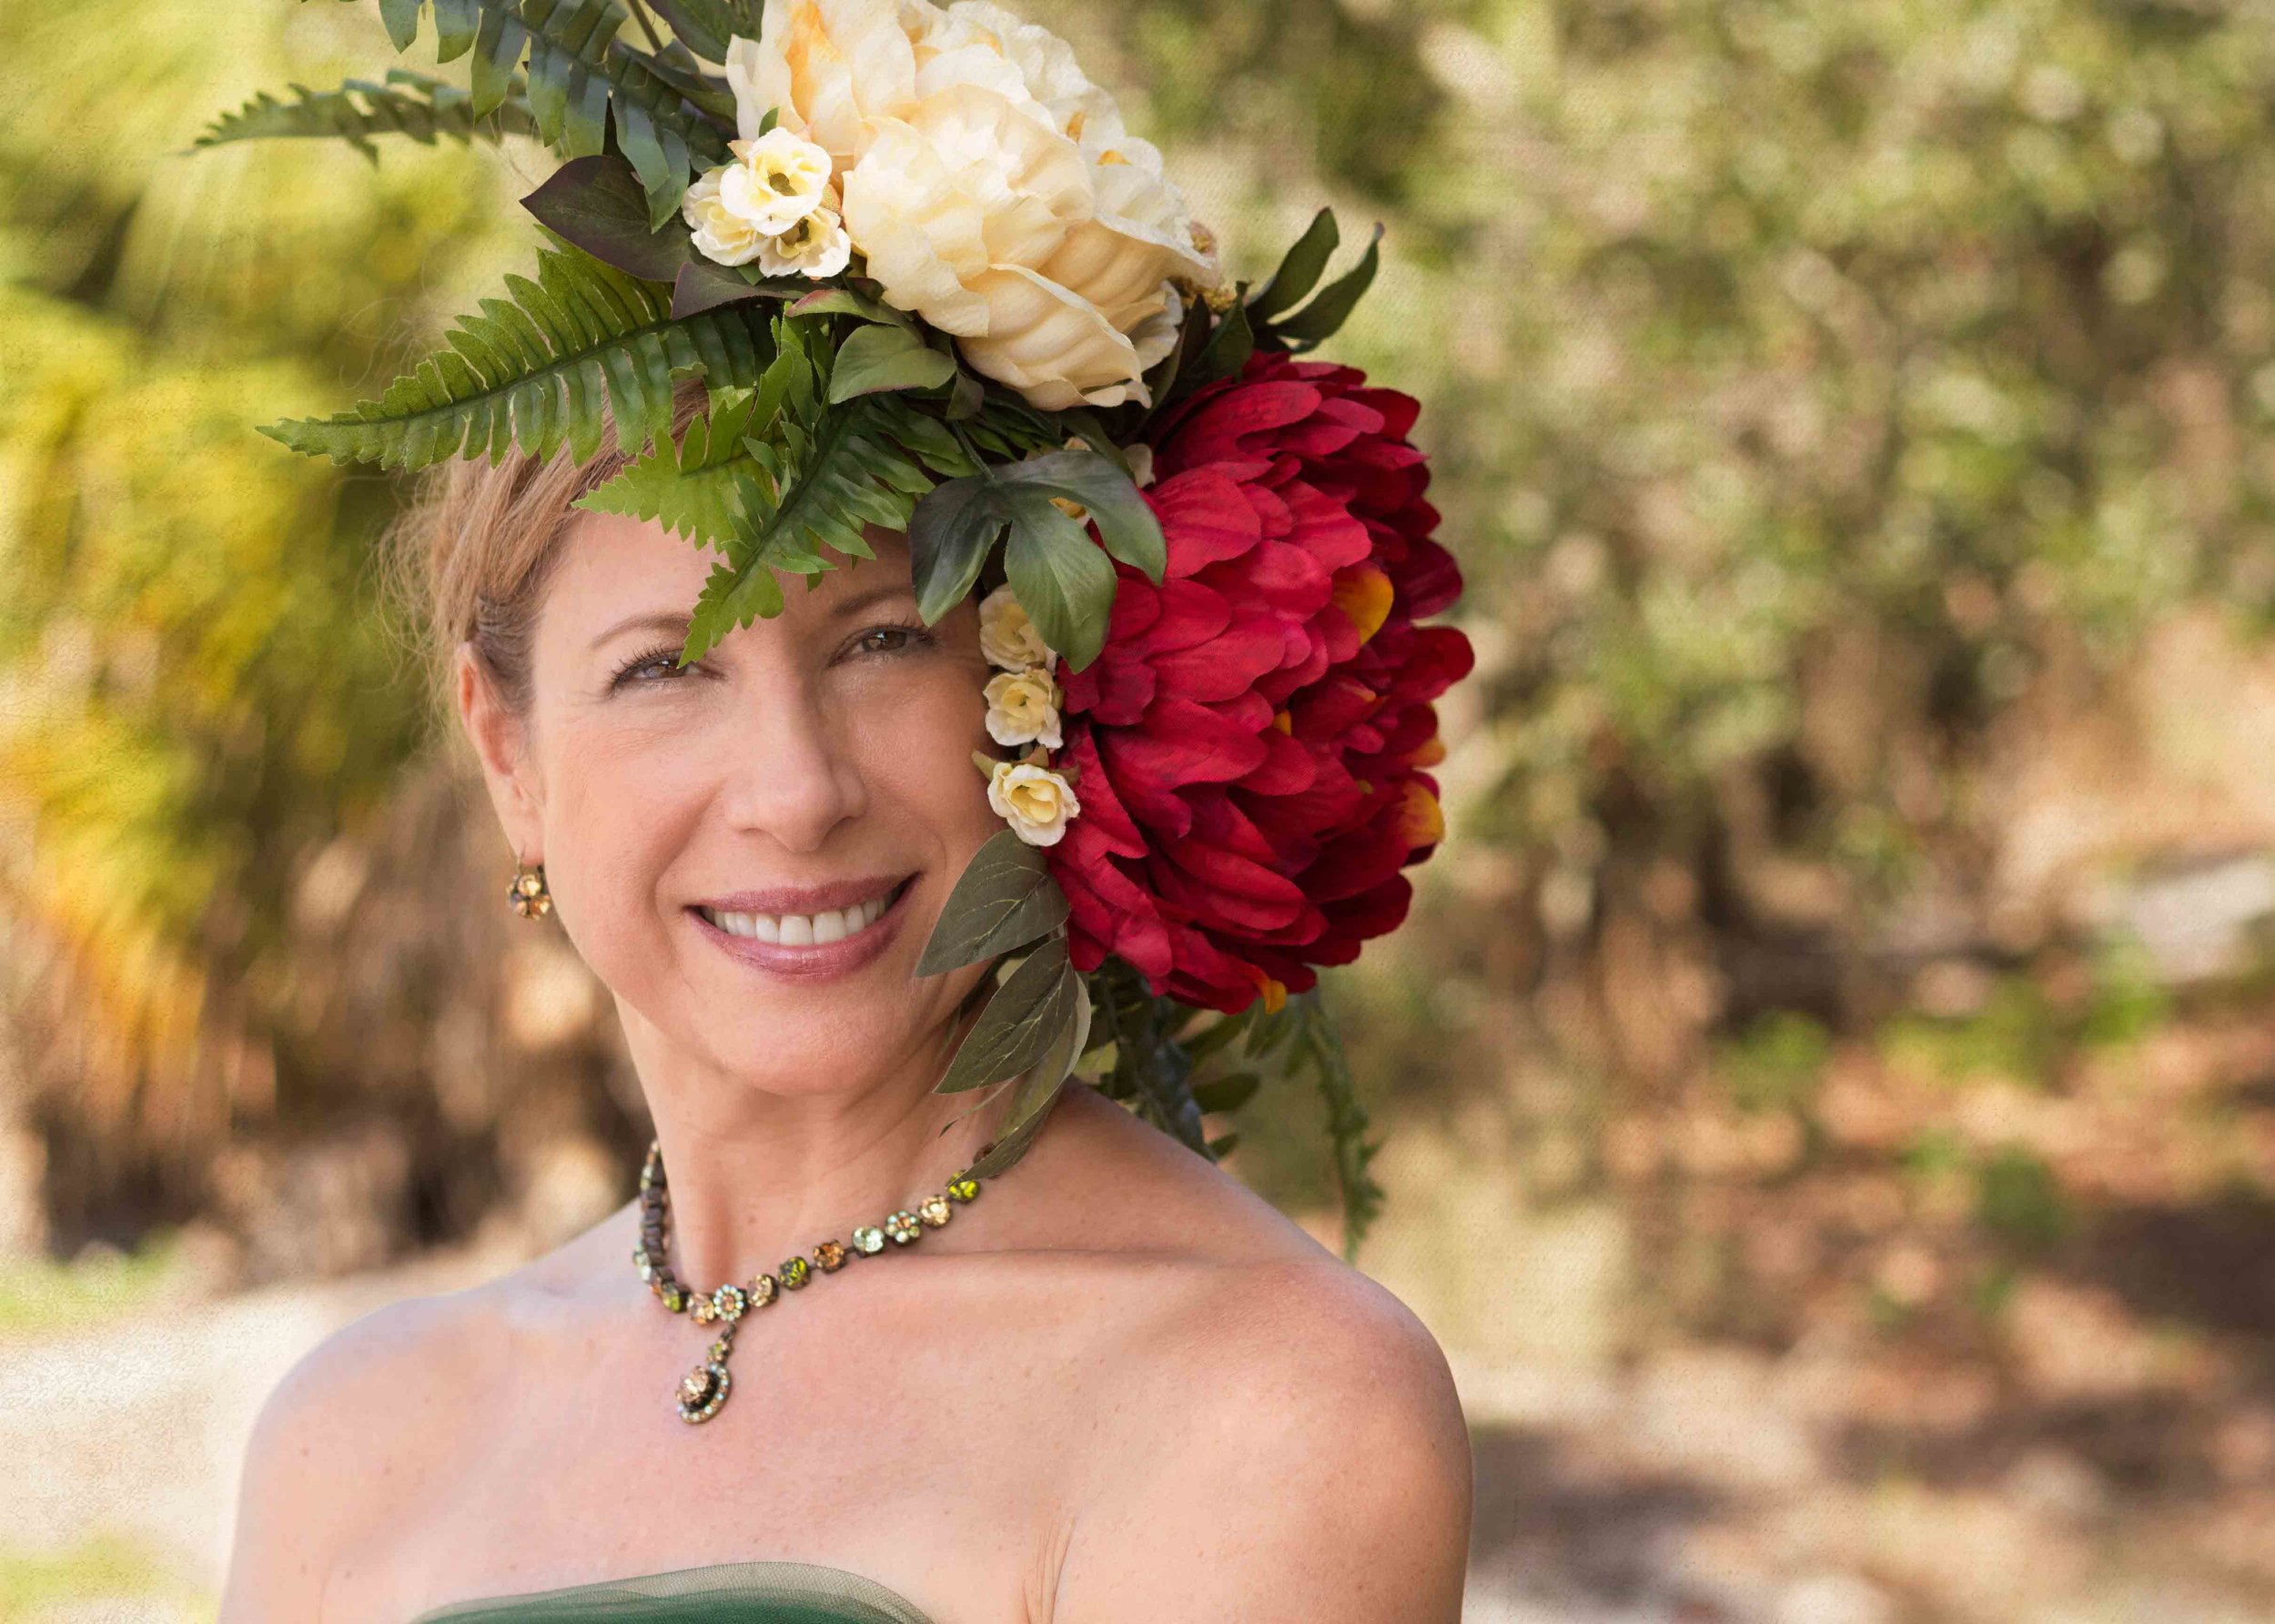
(469, 559)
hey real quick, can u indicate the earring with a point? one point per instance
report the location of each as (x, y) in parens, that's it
(528, 894)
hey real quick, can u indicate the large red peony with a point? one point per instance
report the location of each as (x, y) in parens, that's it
(1250, 744)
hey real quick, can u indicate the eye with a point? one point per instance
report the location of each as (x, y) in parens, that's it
(892, 638)
(662, 660)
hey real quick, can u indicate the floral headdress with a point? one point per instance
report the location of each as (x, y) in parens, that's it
(928, 281)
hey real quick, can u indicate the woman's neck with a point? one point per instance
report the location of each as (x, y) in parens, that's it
(757, 1174)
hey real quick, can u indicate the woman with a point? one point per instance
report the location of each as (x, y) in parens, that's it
(1117, 1385)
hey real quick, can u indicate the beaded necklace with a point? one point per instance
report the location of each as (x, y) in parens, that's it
(704, 1388)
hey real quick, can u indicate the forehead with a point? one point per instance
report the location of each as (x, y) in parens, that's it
(613, 566)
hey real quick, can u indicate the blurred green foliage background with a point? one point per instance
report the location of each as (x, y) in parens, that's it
(1852, 955)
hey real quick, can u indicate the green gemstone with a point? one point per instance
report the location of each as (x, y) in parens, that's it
(795, 1271)
(963, 1189)
(674, 1299)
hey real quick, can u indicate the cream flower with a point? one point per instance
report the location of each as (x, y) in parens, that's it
(826, 67)
(1034, 801)
(816, 246)
(1023, 708)
(1007, 636)
(989, 185)
(775, 180)
(720, 233)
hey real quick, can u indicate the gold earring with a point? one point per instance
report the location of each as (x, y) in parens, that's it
(528, 894)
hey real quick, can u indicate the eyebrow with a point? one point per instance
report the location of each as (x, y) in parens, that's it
(669, 620)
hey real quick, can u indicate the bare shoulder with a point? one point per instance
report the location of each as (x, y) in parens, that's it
(1286, 1442)
(349, 1430)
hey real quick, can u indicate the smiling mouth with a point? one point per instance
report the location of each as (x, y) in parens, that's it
(807, 930)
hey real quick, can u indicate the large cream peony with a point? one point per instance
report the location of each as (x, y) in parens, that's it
(988, 185)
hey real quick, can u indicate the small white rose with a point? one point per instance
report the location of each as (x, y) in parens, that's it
(720, 233)
(816, 246)
(1007, 637)
(776, 181)
(1023, 708)
(1034, 800)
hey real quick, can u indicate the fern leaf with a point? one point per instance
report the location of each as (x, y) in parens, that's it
(816, 490)
(669, 119)
(543, 368)
(704, 488)
(406, 104)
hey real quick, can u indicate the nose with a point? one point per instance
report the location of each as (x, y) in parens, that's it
(786, 767)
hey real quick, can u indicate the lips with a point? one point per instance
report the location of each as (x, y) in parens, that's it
(809, 933)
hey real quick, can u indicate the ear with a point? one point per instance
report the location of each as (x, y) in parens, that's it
(500, 741)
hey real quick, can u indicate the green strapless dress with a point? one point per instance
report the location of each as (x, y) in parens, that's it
(715, 1593)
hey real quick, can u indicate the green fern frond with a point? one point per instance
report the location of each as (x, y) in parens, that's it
(406, 104)
(540, 367)
(667, 120)
(704, 488)
(815, 488)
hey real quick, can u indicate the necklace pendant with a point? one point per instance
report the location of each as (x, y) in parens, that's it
(702, 1390)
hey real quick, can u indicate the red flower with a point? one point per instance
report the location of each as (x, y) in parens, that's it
(1250, 744)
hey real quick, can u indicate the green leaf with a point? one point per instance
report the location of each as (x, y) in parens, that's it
(1227, 351)
(1302, 1028)
(1227, 1093)
(700, 488)
(705, 285)
(537, 370)
(597, 204)
(1062, 580)
(820, 474)
(879, 358)
(1038, 1089)
(406, 104)
(1034, 1008)
(1126, 520)
(667, 118)
(705, 26)
(1059, 576)
(1004, 899)
(852, 301)
(1298, 270)
(1324, 316)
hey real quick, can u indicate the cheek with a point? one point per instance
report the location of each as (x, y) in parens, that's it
(918, 739)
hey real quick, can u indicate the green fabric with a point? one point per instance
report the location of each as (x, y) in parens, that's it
(718, 1593)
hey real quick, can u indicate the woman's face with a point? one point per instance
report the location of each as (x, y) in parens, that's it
(750, 851)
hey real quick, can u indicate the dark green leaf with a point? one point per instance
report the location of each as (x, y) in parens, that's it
(406, 104)
(1126, 520)
(964, 397)
(598, 203)
(1037, 1090)
(851, 301)
(705, 285)
(1324, 316)
(1227, 349)
(705, 27)
(1034, 1007)
(1062, 580)
(1298, 270)
(880, 358)
(542, 368)
(1004, 900)
(951, 532)
(1227, 1093)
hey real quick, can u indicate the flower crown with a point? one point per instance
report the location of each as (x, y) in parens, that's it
(928, 281)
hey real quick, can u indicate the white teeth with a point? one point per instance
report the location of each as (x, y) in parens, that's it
(800, 930)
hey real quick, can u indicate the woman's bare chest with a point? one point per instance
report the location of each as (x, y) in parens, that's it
(929, 1454)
